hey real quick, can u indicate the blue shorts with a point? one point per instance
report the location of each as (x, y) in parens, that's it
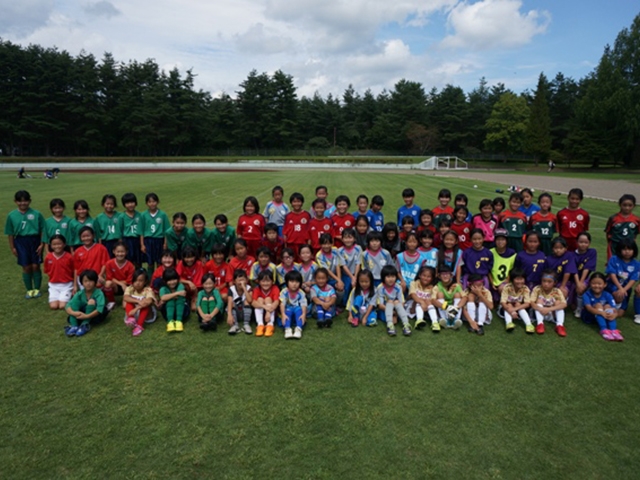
(154, 249)
(134, 254)
(27, 250)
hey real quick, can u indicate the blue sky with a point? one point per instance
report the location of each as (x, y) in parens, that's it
(327, 45)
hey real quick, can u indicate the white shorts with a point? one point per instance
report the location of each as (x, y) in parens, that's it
(60, 292)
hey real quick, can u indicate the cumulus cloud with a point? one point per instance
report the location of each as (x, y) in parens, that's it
(23, 17)
(260, 40)
(102, 9)
(492, 24)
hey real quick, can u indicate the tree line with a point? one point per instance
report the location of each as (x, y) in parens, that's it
(53, 103)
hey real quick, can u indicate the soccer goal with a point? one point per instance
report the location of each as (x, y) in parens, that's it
(444, 163)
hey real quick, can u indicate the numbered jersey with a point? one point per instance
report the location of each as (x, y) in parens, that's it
(514, 222)
(20, 224)
(250, 227)
(331, 261)
(620, 227)
(350, 258)
(108, 227)
(463, 231)
(502, 265)
(532, 264)
(75, 226)
(477, 261)
(53, 226)
(317, 228)
(130, 224)
(296, 228)
(153, 225)
(545, 225)
(571, 223)
(442, 213)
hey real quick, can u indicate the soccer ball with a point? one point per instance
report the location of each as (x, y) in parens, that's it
(452, 311)
(475, 186)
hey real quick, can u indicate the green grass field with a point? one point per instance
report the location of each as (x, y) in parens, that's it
(340, 403)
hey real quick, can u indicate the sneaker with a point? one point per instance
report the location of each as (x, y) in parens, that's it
(179, 326)
(260, 331)
(329, 322)
(268, 331)
(636, 319)
(354, 322)
(246, 328)
(607, 335)
(130, 322)
(391, 331)
(480, 330)
(297, 334)
(406, 330)
(171, 326)
(443, 323)
(83, 330)
(420, 324)
(435, 327)
(500, 312)
(320, 324)
(288, 333)
(577, 312)
(457, 323)
(111, 306)
(35, 294)
(530, 328)
(137, 330)
(28, 295)
(510, 326)
(234, 329)
(617, 336)
(70, 331)
(540, 328)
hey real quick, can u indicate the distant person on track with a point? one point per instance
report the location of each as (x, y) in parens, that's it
(552, 165)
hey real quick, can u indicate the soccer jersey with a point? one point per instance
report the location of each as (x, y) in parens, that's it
(477, 261)
(293, 299)
(26, 224)
(620, 227)
(385, 294)
(192, 273)
(153, 225)
(413, 211)
(331, 261)
(451, 258)
(502, 265)
(547, 226)
(547, 299)
(273, 293)
(208, 302)
(256, 269)
(308, 272)
(376, 220)
(222, 273)
(530, 210)
(424, 293)
(408, 265)
(250, 227)
(146, 292)
(225, 238)
(572, 223)
(487, 226)
(350, 257)
(75, 226)
(511, 295)
(130, 224)
(175, 241)
(605, 298)
(374, 261)
(625, 271)
(429, 257)
(282, 270)
(243, 264)
(447, 292)
(93, 258)
(275, 248)
(532, 264)
(442, 213)
(59, 268)
(296, 228)
(201, 242)
(324, 293)
(108, 227)
(484, 292)
(561, 265)
(516, 225)
(79, 302)
(587, 260)
(275, 212)
(164, 290)
(317, 228)
(53, 226)
(122, 273)
(340, 223)
(463, 230)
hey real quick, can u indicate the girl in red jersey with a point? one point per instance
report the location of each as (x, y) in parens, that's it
(573, 220)
(462, 227)
(191, 270)
(221, 271)
(242, 260)
(167, 261)
(251, 225)
(58, 265)
(89, 256)
(118, 272)
(296, 224)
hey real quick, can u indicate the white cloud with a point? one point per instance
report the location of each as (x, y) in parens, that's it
(490, 24)
(102, 9)
(22, 17)
(260, 40)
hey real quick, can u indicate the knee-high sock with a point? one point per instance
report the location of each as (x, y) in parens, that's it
(27, 279)
(636, 304)
(402, 313)
(37, 279)
(482, 313)
(109, 294)
(539, 317)
(419, 312)
(456, 302)
(171, 310)
(472, 310)
(433, 314)
(320, 313)
(559, 314)
(272, 318)
(388, 314)
(180, 303)
(524, 315)
(259, 312)
(507, 318)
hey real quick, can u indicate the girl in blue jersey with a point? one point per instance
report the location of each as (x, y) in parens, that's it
(362, 301)
(623, 272)
(409, 262)
(599, 306)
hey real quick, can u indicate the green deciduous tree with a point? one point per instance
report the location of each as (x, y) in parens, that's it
(507, 125)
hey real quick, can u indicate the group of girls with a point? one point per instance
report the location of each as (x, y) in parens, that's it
(445, 263)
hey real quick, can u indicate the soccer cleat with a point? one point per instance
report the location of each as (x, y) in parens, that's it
(444, 323)
(247, 329)
(500, 312)
(561, 331)
(83, 330)
(260, 331)
(297, 333)
(111, 306)
(171, 326)
(391, 331)
(540, 328)
(617, 336)
(268, 331)
(435, 327)
(406, 330)
(288, 333)
(329, 322)
(35, 294)
(420, 324)
(530, 328)
(577, 312)
(607, 335)
(457, 323)
(234, 329)
(354, 322)
(179, 326)
(320, 324)
(70, 331)
(509, 327)
(480, 330)
(28, 295)
(636, 319)
(137, 330)
(130, 322)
